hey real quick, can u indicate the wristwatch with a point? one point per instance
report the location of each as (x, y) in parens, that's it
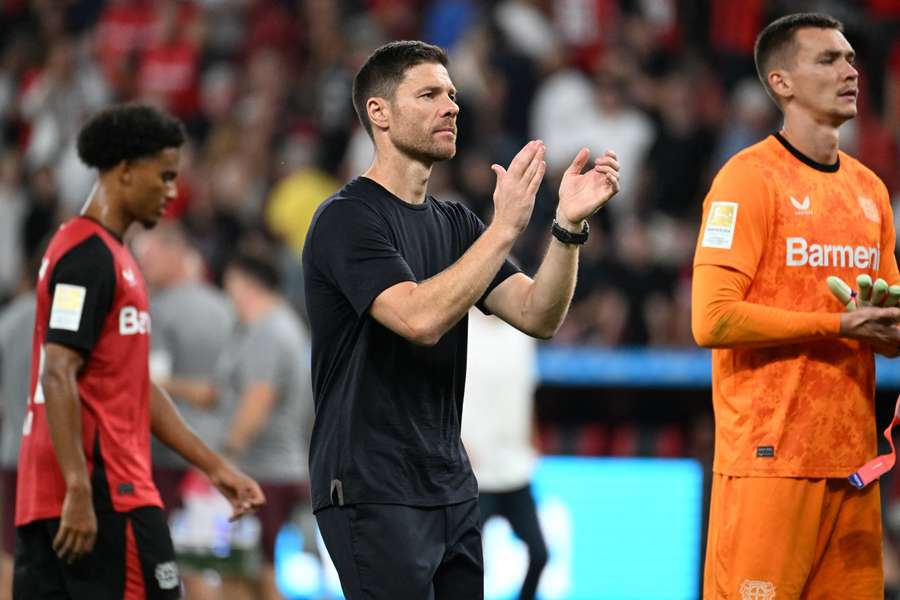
(567, 237)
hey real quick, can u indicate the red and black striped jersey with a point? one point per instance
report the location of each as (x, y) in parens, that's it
(91, 297)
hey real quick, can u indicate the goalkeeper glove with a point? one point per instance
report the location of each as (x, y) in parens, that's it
(870, 294)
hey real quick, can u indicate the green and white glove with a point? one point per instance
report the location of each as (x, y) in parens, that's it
(870, 294)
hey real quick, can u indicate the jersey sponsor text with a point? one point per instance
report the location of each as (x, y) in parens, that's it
(801, 253)
(133, 321)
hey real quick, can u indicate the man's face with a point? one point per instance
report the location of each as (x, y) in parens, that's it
(824, 82)
(423, 114)
(151, 186)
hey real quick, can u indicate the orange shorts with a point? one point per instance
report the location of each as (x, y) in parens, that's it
(778, 538)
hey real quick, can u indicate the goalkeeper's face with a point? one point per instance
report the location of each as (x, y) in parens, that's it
(824, 82)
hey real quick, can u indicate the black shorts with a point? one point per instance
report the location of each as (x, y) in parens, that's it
(8, 510)
(133, 559)
(396, 552)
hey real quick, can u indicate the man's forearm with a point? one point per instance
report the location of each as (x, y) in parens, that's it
(721, 318)
(198, 393)
(63, 407)
(433, 307)
(251, 417)
(548, 299)
(170, 429)
(746, 324)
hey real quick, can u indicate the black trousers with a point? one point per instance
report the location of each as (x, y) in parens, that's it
(397, 552)
(517, 507)
(132, 559)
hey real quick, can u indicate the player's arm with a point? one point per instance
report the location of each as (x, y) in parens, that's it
(423, 312)
(721, 318)
(197, 392)
(63, 409)
(167, 425)
(82, 286)
(252, 414)
(538, 306)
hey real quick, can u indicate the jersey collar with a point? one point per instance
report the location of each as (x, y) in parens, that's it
(832, 168)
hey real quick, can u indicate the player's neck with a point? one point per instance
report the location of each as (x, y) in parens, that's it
(400, 175)
(101, 208)
(818, 141)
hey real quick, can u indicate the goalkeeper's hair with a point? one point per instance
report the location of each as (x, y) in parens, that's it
(777, 38)
(384, 70)
(127, 132)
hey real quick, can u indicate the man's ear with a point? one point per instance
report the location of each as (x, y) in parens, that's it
(123, 172)
(379, 112)
(781, 84)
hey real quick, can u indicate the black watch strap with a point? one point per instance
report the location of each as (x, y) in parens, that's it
(567, 237)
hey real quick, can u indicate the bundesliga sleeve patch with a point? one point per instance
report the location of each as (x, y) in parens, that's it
(68, 304)
(719, 231)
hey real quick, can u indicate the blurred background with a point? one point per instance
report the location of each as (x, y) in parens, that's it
(622, 400)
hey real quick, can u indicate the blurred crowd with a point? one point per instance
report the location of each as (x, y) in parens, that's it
(264, 89)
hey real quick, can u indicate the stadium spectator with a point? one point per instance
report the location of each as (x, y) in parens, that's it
(498, 432)
(192, 323)
(89, 522)
(793, 376)
(16, 325)
(13, 211)
(56, 100)
(263, 380)
(390, 274)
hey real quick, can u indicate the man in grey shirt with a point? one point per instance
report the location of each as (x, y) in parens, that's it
(16, 327)
(263, 378)
(192, 321)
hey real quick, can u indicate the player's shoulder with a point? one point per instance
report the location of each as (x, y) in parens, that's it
(752, 160)
(83, 237)
(87, 258)
(860, 171)
(749, 169)
(91, 249)
(70, 234)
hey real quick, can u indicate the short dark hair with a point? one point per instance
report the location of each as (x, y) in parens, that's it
(127, 132)
(384, 69)
(779, 34)
(259, 265)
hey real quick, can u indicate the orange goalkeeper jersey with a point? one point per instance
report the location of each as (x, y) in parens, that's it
(800, 409)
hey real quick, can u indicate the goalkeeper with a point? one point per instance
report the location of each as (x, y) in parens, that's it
(793, 371)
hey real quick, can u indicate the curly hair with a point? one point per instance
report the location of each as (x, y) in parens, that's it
(127, 132)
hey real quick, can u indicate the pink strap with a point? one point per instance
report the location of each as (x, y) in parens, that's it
(879, 465)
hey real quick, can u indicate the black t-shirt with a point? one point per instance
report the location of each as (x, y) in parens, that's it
(388, 412)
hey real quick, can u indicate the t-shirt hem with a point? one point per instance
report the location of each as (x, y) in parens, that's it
(822, 473)
(419, 503)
